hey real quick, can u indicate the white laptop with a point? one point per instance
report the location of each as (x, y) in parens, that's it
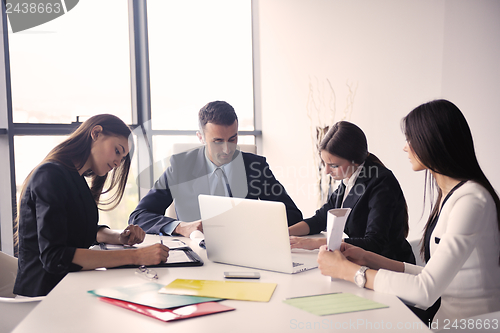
(250, 233)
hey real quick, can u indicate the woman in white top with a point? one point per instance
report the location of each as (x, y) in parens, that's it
(461, 242)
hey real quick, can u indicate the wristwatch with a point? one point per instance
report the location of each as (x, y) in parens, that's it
(360, 277)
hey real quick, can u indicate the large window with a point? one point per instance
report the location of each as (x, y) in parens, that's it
(71, 67)
(75, 65)
(199, 51)
(80, 64)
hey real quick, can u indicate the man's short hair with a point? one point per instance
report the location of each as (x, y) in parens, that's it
(218, 113)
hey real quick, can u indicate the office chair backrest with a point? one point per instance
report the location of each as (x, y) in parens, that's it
(8, 274)
(12, 309)
(182, 147)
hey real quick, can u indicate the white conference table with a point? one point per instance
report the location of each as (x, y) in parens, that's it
(69, 308)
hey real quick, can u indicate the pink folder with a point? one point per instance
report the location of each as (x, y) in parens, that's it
(183, 312)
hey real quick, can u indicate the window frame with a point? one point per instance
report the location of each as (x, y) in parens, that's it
(141, 113)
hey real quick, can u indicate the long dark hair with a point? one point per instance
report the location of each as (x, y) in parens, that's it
(348, 141)
(74, 152)
(440, 137)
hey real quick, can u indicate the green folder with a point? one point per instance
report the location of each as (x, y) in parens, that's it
(335, 303)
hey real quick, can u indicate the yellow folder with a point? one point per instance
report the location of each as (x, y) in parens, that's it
(245, 291)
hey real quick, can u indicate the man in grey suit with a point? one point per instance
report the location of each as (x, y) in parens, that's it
(216, 168)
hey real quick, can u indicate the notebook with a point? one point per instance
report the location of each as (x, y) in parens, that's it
(250, 233)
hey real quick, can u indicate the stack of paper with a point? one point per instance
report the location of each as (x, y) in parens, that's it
(184, 298)
(146, 299)
(147, 294)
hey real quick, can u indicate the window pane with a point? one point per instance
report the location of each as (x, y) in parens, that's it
(31, 150)
(75, 65)
(200, 51)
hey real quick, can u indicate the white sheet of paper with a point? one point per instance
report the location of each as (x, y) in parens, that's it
(177, 256)
(335, 222)
(173, 243)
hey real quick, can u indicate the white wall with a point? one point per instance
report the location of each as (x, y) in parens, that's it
(471, 74)
(396, 55)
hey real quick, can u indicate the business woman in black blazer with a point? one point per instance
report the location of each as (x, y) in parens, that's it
(378, 221)
(58, 212)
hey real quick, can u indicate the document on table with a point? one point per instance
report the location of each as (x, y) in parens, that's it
(329, 304)
(335, 223)
(245, 291)
(147, 294)
(177, 257)
(184, 312)
(173, 244)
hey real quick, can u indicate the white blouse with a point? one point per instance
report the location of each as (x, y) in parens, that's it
(464, 265)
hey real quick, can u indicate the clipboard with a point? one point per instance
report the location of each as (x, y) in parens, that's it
(179, 257)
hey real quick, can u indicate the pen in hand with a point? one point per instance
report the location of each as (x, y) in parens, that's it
(161, 241)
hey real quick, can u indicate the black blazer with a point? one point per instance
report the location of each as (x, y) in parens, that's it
(57, 216)
(378, 216)
(190, 166)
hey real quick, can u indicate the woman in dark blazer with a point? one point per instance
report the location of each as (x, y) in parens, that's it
(378, 221)
(58, 212)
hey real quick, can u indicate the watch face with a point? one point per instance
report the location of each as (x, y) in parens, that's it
(360, 279)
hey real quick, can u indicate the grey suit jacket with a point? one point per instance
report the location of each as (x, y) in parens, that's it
(187, 177)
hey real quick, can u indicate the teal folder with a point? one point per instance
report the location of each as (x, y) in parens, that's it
(147, 294)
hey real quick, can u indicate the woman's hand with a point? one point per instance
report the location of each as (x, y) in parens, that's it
(151, 255)
(331, 263)
(353, 253)
(133, 234)
(306, 243)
